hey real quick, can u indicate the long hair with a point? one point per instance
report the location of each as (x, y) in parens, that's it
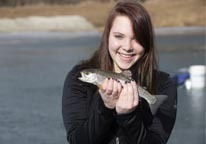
(143, 31)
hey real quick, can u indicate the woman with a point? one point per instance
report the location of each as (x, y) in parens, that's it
(115, 113)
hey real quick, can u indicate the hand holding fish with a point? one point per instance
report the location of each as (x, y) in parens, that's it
(130, 93)
(110, 91)
(128, 99)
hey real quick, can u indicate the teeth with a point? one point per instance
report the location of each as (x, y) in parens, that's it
(126, 55)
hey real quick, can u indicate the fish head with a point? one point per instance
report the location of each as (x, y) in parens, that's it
(88, 76)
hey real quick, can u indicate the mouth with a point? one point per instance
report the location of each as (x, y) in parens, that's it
(126, 56)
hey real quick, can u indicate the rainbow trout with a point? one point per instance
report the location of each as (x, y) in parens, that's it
(97, 76)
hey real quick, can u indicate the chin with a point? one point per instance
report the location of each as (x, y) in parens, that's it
(125, 67)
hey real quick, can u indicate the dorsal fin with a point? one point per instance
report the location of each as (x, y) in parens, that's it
(127, 73)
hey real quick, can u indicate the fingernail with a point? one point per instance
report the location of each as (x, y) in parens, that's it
(108, 78)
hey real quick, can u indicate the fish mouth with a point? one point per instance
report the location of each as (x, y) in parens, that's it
(83, 77)
(87, 77)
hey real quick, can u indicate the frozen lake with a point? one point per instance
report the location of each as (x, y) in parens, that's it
(33, 67)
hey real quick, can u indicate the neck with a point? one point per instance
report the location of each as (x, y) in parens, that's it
(117, 69)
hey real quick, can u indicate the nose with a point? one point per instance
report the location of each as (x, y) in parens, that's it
(128, 46)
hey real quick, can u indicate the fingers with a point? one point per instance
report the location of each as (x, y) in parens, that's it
(111, 87)
(110, 91)
(115, 88)
(130, 94)
(104, 86)
(128, 98)
(122, 96)
(136, 95)
(119, 88)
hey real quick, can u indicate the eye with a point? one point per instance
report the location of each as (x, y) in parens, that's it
(118, 36)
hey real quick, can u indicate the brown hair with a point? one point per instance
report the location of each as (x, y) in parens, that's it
(143, 32)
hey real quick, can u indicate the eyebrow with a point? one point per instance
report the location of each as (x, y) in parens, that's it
(118, 33)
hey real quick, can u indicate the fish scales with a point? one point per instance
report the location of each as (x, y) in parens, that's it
(96, 77)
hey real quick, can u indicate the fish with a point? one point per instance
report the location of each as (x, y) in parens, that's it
(97, 76)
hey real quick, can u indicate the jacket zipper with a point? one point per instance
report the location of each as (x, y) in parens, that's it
(117, 140)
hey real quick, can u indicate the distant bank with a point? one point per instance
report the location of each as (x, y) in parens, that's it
(74, 23)
(180, 30)
(40, 23)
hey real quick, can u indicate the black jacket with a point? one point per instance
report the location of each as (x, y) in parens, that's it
(88, 121)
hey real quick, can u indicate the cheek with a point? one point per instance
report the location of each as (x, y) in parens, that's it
(113, 44)
(139, 49)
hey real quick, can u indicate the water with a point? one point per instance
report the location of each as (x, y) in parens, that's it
(190, 122)
(33, 67)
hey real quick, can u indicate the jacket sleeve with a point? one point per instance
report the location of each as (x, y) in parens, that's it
(140, 127)
(84, 123)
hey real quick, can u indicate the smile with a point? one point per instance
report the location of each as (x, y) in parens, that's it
(126, 55)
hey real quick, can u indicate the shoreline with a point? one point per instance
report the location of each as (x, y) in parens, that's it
(76, 23)
(42, 23)
(163, 31)
(180, 30)
(190, 38)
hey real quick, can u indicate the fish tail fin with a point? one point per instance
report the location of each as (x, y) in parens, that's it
(159, 101)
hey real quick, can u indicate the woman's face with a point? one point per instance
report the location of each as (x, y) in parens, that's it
(123, 47)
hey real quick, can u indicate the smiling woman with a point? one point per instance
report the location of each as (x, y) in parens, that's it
(115, 112)
(124, 49)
